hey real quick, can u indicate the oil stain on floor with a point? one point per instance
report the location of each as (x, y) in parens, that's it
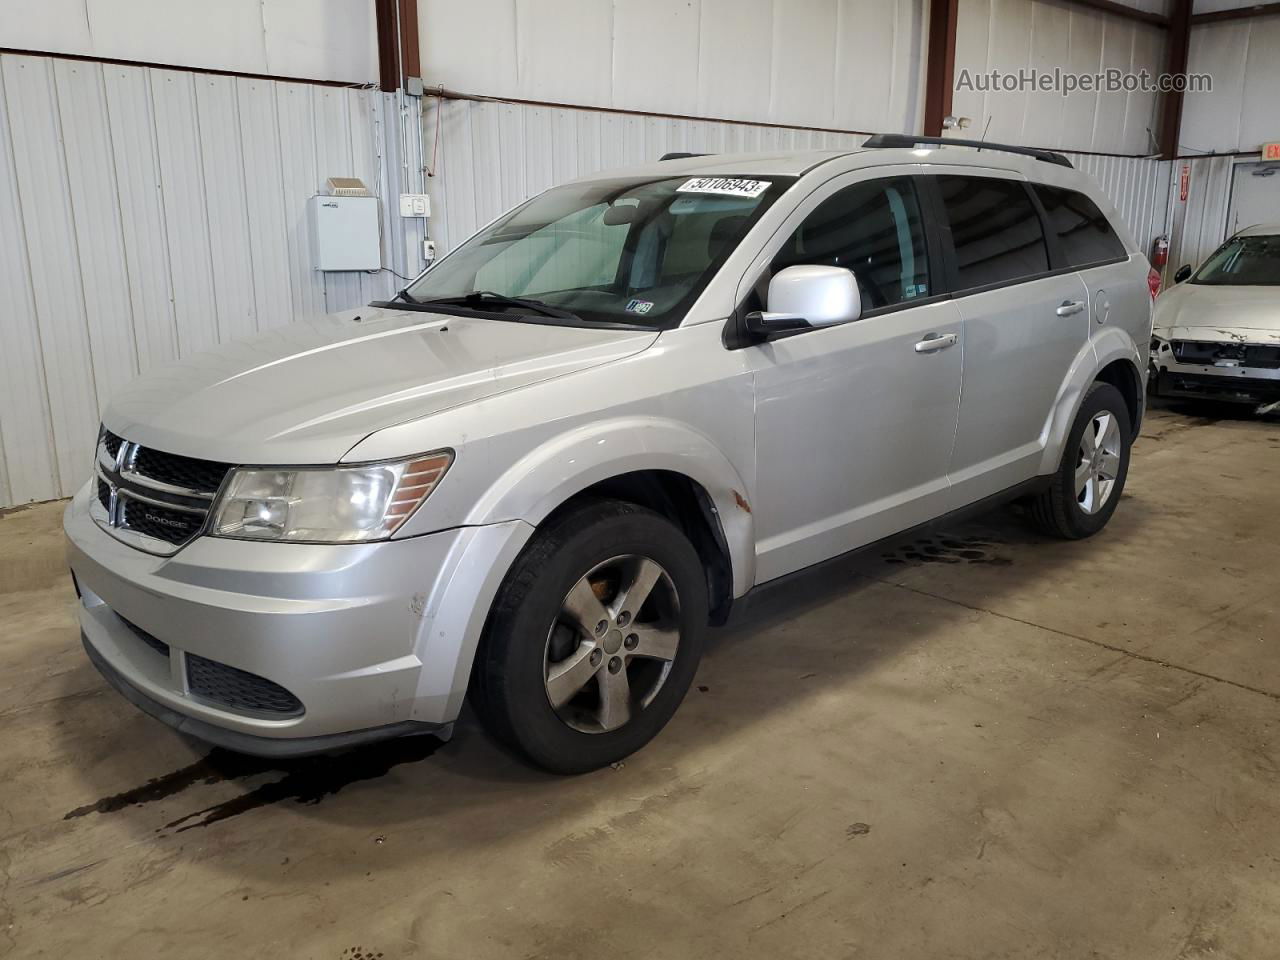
(308, 780)
(947, 549)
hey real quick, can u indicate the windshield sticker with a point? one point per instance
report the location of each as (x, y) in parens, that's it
(724, 186)
(640, 306)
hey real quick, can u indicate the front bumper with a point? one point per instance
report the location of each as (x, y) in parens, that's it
(361, 640)
(1239, 384)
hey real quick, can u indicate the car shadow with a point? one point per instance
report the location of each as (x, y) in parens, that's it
(1211, 411)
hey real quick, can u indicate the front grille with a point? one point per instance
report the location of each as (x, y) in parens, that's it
(202, 476)
(239, 690)
(1244, 354)
(159, 497)
(156, 644)
(111, 442)
(171, 526)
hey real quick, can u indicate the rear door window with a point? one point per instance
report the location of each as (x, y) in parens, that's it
(995, 230)
(1084, 236)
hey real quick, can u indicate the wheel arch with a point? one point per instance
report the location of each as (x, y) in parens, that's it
(659, 464)
(1114, 359)
(686, 503)
(1123, 374)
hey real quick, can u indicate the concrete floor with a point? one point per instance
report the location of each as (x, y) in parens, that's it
(983, 745)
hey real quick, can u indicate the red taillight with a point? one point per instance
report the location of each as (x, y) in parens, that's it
(1153, 283)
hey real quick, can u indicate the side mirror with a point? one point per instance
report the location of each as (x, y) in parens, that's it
(1184, 271)
(808, 296)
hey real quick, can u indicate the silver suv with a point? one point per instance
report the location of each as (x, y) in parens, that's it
(538, 475)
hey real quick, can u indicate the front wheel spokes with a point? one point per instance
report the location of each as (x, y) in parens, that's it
(624, 614)
(566, 679)
(615, 697)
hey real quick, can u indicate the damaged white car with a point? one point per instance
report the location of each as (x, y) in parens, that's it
(1217, 333)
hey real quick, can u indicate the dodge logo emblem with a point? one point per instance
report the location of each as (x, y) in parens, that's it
(166, 521)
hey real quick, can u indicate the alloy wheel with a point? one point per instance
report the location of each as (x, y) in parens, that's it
(611, 647)
(1098, 462)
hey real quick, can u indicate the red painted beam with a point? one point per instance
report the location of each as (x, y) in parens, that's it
(1177, 49)
(388, 45)
(410, 49)
(940, 77)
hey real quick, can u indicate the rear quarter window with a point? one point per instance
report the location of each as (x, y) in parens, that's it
(1084, 236)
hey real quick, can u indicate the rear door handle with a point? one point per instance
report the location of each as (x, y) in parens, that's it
(936, 341)
(1070, 307)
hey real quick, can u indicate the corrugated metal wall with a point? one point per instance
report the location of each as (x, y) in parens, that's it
(844, 64)
(848, 64)
(312, 39)
(491, 155)
(1242, 111)
(1199, 224)
(148, 213)
(1014, 35)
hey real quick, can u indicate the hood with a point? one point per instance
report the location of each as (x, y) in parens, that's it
(308, 392)
(1204, 312)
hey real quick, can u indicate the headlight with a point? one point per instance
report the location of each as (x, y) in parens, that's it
(327, 504)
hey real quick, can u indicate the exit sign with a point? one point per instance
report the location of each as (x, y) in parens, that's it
(1271, 151)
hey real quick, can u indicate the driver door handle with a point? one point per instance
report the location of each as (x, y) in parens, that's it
(1070, 307)
(936, 341)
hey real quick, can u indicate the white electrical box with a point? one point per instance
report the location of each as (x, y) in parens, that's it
(415, 205)
(345, 233)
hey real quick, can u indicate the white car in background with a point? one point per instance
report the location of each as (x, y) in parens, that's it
(1217, 332)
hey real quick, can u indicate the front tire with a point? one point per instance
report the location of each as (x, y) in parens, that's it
(1084, 491)
(594, 637)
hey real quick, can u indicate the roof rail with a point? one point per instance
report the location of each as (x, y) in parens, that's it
(907, 140)
(682, 156)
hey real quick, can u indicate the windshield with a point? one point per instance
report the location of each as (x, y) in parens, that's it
(608, 251)
(1243, 261)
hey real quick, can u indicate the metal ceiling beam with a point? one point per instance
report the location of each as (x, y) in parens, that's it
(1239, 13)
(940, 78)
(1121, 10)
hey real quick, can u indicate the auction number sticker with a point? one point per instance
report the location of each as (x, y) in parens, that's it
(724, 186)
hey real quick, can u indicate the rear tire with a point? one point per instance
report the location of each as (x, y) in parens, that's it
(562, 630)
(1087, 486)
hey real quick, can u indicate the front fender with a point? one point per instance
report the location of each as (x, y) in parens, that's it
(1107, 346)
(573, 461)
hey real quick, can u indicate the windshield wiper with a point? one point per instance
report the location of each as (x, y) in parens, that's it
(480, 299)
(405, 296)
